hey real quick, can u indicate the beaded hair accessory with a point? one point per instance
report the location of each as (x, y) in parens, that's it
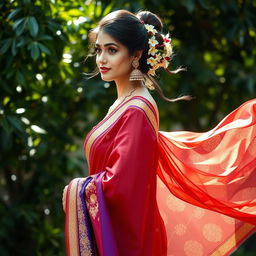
(159, 55)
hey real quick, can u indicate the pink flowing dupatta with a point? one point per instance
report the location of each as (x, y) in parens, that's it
(211, 176)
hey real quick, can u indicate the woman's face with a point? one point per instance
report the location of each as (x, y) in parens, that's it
(112, 58)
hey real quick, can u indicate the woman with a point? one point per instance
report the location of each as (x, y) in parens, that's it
(151, 192)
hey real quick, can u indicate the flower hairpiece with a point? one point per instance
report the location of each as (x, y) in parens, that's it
(159, 55)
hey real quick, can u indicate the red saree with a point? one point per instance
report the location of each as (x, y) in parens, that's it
(176, 193)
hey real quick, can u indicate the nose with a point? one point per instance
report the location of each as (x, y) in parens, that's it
(101, 58)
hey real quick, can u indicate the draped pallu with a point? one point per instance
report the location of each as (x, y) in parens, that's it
(158, 193)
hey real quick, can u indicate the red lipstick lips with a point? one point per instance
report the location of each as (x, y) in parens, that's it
(104, 69)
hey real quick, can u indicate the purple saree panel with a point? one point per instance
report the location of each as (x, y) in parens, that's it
(78, 233)
(105, 238)
(87, 221)
(85, 209)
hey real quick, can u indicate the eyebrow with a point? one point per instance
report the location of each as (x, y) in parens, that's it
(108, 44)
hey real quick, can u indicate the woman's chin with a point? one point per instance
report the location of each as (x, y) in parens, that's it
(107, 79)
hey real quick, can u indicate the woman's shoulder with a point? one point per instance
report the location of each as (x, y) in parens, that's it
(145, 98)
(143, 101)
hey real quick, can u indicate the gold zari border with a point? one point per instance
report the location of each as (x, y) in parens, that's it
(235, 239)
(72, 227)
(78, 239)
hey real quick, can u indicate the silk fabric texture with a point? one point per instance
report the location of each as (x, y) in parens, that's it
(165, 193)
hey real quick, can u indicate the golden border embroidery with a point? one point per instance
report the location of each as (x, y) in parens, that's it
(79, 243)
(92, 199)
(236, 238)
(84, 242)
(135, 102)
(72, 225)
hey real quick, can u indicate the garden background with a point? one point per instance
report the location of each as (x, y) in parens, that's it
(47, 105)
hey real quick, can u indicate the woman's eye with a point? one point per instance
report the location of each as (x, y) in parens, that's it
(97, 50)
(112, 50)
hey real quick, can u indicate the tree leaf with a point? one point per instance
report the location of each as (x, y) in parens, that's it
(44, 49)
(14, 49)
(189, 4)
(108, 9)
(204, 4)
(16, 123)
(7, 138)
(13, 13)
(33, 26)
(22, 41)
(20, 78)
(35, 51)
(21, 26)
(6, 125)
(44, 37)
(17, 22)
(5, 45)
(26, 2)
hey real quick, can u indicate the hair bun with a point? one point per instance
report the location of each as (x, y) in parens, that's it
(151, 19)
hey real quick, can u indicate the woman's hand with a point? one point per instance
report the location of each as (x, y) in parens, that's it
(64, 195)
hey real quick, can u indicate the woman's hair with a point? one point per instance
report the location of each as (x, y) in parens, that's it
(129, 30)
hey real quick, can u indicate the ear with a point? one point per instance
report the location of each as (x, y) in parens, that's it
(137, 55)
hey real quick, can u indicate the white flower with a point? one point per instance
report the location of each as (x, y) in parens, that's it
(158, 57)
(150, 28)
(165, 63)
(151, 72)
(152, 41)
(151, 61)
(168, 49)
(167, 38)
(152, 51)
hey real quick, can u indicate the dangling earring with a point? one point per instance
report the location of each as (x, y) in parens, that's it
(136, 74)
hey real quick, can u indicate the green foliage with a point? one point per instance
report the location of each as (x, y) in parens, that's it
(47, 106)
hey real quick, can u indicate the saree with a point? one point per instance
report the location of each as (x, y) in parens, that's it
(163, 193)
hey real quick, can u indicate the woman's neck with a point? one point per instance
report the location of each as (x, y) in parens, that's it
(125, 86)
